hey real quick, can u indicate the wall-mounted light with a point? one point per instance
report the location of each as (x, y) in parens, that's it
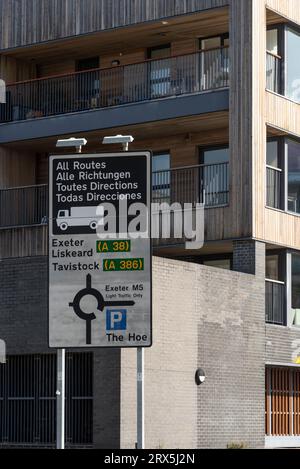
(115, 63)
(200, 377)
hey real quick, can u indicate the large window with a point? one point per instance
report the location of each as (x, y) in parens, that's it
(275, 182)
(214, 175)
(293, 149)
(214, 64)
(283, 174)
(292, 65)
(161, 177)
(275, 289)
(283, 65)
(160, 74)
(296, 289)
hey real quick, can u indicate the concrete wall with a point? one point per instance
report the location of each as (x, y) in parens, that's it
(208, 318)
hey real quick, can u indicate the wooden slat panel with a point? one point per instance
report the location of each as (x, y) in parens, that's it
(268, 401)
(32, 21)
(282, 402)
(17, 168)
(23, 242)
(287, 8)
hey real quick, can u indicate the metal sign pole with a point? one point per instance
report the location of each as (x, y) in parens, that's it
(60, 399)
(140, 399)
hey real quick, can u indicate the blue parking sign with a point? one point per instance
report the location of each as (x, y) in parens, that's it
(116, 320)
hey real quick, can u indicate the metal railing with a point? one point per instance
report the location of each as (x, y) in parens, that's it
(206, 184)
(28, 400)
(21, 206)
(275, 303)
(274, 72)
(152, 79)
(274, 187)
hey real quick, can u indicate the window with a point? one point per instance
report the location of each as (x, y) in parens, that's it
(292, 65)
(275, 173)
(273, 153)
(214, 42)
(296, 289)
(161, 177)
(214, 175)
(275, 267)
(87, 85)
(214, 63)
(275, 38)
(215, 155)
(160, 71)
(293, 149)
(272, 267)
(272, 41)
(283, 66)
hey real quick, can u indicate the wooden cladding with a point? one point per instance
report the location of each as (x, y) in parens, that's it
(25, 22)
(282, 402)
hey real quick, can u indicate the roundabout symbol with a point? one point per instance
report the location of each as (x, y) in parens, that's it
(90, 317)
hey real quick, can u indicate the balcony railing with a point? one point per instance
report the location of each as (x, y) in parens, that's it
(275, 303)
(274, 187)
(94, 89)
(274, 72)
(209, 184)
(23, 206)
(205, 184)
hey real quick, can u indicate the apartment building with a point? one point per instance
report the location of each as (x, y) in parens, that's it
(212, 87)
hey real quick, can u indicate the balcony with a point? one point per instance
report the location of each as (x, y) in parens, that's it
(209, 184)
(23, 206)
(104, 88)
(202, 184)
(275, 303)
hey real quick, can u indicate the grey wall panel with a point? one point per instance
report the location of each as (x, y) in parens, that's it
(148, 111)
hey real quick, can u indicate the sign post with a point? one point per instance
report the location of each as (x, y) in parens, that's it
(140, 399)
(100, 255)
(60, 399)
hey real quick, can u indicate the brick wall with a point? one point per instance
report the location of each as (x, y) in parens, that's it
(23, 325)
(203, 317)
(208, 318)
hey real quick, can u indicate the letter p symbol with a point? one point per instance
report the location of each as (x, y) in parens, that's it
(116, 320)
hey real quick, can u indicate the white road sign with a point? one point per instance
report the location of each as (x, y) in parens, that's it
(100, 287)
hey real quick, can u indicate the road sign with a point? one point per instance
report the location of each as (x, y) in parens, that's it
(100, 290)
